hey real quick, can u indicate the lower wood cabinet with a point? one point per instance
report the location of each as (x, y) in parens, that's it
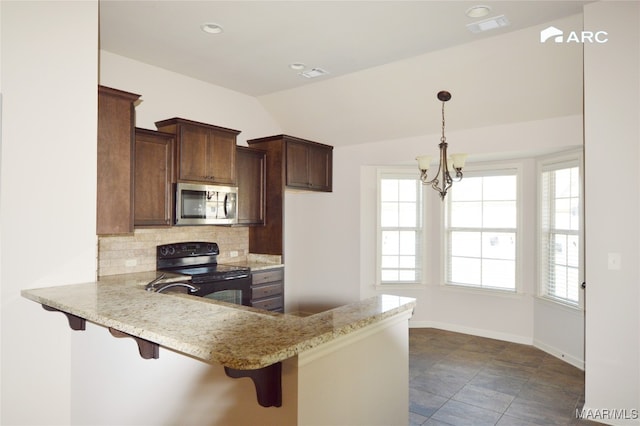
(153, 195)
(267, 289)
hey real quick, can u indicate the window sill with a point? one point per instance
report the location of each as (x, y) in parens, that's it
(558, 304)
(400, 286)
(483, 291)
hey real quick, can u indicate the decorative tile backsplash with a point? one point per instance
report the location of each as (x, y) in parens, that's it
(137, 252)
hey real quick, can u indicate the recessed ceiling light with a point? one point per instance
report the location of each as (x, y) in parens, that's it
(478, 11)
(297, 66)
(488, 24)
(211, 28)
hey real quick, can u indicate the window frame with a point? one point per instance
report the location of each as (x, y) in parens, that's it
(408, 173)
(553, 163)
(487, 170)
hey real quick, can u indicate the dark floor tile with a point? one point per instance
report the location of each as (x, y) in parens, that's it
(561, 380)
(484, 346)
(457, 367)
(443, 383)
(484, 398)
(470, 357)
(433, 422)
(550, 396)
(424, 403)
(503, 368)
(459, 413)
(540, 414)
(416, 419)
(458, 379)
(499, 382)
(521, 357)
(512, 421)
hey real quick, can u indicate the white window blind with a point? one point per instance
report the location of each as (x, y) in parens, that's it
(481, 231)
(399, 227)
(560, 245)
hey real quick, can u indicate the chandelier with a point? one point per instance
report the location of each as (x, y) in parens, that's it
(449, 168)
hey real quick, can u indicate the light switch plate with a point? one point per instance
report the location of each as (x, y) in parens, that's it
(614, 261)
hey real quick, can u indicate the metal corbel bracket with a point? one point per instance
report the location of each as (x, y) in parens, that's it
(76, 323)
(147, 349)
(267, 380)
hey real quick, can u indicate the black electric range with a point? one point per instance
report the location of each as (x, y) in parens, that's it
(229, 283)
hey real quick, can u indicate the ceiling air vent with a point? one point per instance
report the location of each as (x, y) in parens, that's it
(313, 73)
(488, 24)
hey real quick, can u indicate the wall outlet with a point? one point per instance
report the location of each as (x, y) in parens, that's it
(130, 262)
(233, 253)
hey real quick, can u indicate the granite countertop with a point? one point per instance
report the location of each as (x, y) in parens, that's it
(235, 336)
(256, 262)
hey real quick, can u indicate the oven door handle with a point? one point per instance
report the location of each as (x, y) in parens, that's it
(207, 280)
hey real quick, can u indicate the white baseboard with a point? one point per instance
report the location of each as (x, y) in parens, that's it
(473, 331)
(576, 362)
(513, 338)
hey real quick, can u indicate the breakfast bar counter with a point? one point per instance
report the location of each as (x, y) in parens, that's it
(234, 336)
(246, 340)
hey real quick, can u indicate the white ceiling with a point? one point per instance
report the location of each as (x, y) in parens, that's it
(261, 38)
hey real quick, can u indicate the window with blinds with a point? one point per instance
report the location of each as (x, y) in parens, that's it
(560, 236)
(400, 227)
(481, 231)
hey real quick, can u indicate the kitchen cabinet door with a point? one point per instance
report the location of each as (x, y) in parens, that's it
(320, 169)
(204, 153)
(153, 195)
(251, 185)
(309, 166)
(193, 153)
(116, 121)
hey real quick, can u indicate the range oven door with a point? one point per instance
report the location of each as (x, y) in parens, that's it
(235, 290)
(198, 204)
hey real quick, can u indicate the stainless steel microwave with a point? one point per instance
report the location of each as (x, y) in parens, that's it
(200, 204)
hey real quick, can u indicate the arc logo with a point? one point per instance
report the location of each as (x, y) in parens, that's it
(557, 35)
(549, 32)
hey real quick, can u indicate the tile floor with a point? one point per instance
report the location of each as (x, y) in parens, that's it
(458, 379)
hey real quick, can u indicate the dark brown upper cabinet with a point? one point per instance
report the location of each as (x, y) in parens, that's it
(291, 163)
(204, 153)
(116, 121)
(153, 195)
(251, 185)
(309, 165)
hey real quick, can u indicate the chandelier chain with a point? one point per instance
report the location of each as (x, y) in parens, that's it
(443, 138)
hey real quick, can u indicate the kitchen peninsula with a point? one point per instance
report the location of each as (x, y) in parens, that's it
(334, 365)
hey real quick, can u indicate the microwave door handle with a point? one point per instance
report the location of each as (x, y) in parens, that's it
(226, 201)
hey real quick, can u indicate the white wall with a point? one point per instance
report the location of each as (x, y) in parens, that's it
(165, 94)
(48, 169)
(612, 138)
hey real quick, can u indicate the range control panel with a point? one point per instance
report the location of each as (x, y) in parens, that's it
(181, 250)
